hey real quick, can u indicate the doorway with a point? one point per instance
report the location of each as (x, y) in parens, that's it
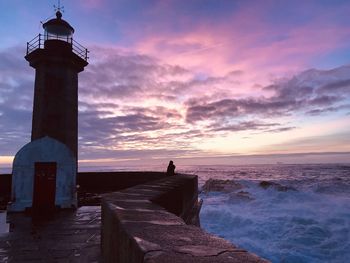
(44, 186)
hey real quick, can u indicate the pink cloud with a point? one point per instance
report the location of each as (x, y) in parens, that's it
(245, 42)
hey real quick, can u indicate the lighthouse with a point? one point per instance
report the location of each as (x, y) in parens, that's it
(44, 170)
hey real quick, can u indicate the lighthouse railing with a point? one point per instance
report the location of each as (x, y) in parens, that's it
(34, 44)
(38, 43)
(80, 50)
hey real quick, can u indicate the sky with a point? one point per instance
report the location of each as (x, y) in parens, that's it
(196, 81)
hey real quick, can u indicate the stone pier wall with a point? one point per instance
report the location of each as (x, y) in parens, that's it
(147, 223)
(91, 184)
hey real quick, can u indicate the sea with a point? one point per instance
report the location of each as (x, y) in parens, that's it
(308, 221)
(305, 220)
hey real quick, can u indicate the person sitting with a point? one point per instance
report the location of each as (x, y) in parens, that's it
(171, 169)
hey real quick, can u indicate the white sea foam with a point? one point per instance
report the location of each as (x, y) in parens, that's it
(311, 224)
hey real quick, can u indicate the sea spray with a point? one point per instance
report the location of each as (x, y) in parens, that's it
(308, 224)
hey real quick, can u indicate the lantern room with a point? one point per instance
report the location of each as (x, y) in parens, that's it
(58, 28)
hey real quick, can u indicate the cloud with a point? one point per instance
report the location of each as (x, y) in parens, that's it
(16, 91)
(133, 105)
(232, 108)
(251, 126)
(312, 92)
(103, 127)
(117, 75)
(311, 144)
(246, 37)
(337, 86)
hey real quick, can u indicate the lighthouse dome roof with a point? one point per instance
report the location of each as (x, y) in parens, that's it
(58, 26)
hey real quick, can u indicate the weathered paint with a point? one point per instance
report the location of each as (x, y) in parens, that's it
(43, 150)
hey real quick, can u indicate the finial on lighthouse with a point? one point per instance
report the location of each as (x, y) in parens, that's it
(59, 9)
(58, 15)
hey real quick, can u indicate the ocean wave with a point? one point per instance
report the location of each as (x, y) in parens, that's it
(301, 220)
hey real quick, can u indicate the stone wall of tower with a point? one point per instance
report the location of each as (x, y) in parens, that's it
(55, 109)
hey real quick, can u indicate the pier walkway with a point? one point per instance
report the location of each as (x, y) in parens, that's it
(70, 236)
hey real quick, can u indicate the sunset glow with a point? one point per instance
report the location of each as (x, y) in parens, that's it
(193, 80)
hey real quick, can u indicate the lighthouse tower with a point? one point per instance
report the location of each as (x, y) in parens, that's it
(44, 170)
(57, 64)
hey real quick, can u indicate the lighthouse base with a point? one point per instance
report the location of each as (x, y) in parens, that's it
(43, 177)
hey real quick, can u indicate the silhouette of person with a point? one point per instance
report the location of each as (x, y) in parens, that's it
(171, 169)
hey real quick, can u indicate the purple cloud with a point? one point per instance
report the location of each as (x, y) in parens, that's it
(312, 91)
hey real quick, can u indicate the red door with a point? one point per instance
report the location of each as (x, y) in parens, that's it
(44, 186)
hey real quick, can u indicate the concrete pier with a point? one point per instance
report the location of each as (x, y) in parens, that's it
(150, 223)
(71, 236)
